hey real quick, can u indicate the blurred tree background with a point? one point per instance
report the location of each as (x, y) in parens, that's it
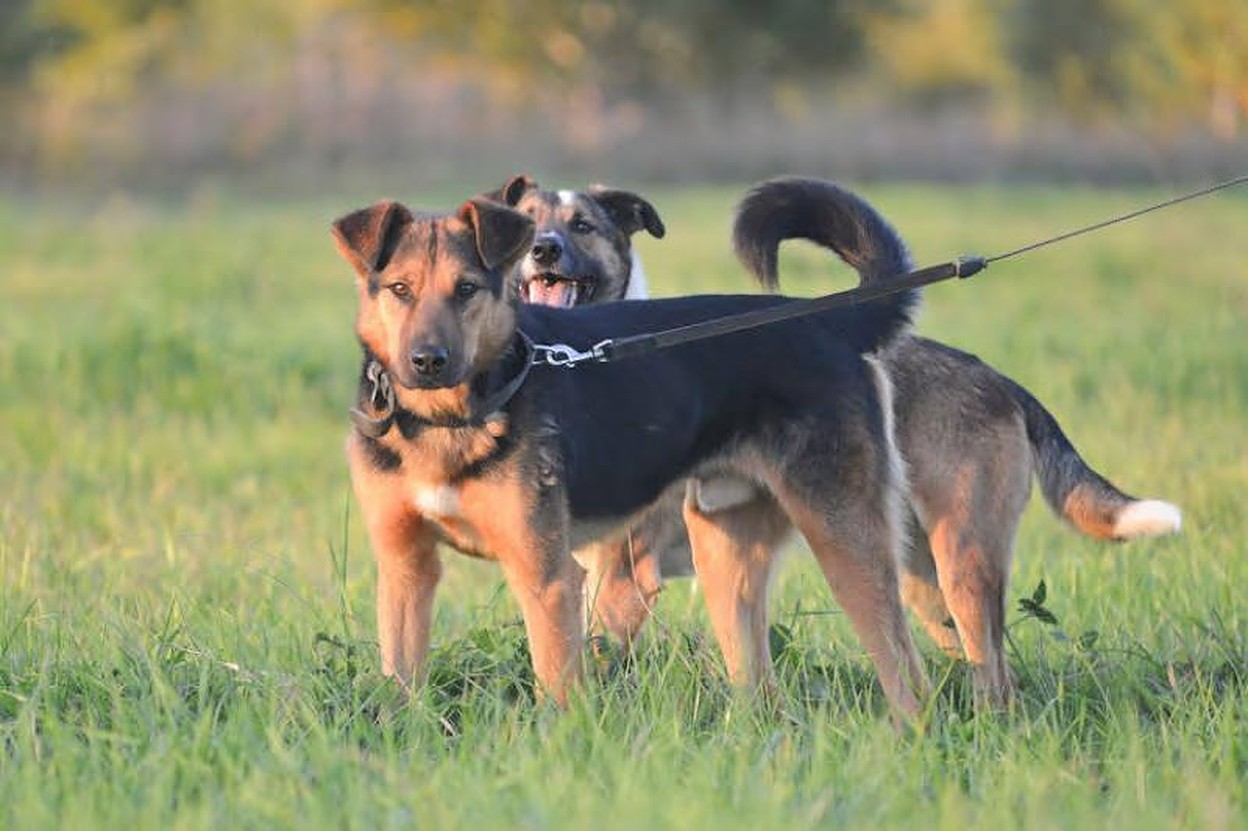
(163, 92)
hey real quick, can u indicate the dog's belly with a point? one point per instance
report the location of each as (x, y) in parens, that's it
(586, 531)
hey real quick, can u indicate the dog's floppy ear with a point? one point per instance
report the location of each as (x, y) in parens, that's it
(503, 235)
(366, 238)
(628, 211)
(513, 190)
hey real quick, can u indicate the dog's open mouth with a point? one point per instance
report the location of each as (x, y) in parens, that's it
(551, 289)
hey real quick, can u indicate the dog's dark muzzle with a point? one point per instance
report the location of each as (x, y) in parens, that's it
(430, 360)
(547, 249)
(554, 274)
(429, 366)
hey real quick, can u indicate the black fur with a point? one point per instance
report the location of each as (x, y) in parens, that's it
(382, 457)
(663, 414)
(822, 212)
(1059, 466)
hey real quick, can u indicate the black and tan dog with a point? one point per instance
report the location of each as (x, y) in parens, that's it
(462, 438)
(972, 440)
(582, 249)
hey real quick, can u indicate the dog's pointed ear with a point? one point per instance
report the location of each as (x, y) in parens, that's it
(628, 211)
(366, 238)
(503, 235)
(513, 190)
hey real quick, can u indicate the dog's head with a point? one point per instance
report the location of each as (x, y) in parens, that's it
(435, 306)
(582, 246)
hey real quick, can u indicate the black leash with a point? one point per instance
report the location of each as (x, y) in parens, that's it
(615, 349)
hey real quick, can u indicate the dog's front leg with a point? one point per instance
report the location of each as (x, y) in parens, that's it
(408, 571)
(547, 583)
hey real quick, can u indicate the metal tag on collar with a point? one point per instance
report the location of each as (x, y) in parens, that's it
(381, 399)
(560, 354)
(382, 396)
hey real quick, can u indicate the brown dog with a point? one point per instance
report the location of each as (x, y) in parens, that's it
(464, 435)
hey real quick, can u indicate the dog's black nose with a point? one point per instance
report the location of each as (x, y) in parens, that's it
(547, 250)
(429, 359)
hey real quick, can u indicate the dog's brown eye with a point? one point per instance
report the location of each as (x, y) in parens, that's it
(580, 226)
(465, 289)
(400, 290)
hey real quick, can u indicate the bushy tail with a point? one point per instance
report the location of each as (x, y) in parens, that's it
(830, 216)
(1079, 494)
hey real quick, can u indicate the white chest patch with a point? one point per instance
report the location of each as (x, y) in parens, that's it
(436, 500)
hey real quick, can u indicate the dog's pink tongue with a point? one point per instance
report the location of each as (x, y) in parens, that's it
(561, 294)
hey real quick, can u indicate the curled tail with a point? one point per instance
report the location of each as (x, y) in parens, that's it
(830, 216)
(1079, 494)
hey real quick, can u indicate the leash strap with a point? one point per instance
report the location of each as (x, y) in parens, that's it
(617, 349)
(631, 346)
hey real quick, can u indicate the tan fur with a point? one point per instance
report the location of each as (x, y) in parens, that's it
(491, 517)
(734, 552)
(1088, 514)
(408, 568)
(622, 584)
(493, 520)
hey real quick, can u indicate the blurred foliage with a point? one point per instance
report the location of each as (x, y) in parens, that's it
(936, 52)
(106, 80)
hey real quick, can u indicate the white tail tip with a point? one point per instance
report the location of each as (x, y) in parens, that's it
(1148, 518)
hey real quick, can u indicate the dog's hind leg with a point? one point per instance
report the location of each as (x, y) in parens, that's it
(847, 506)
(733, 554)
(973, 564)
(971, 522)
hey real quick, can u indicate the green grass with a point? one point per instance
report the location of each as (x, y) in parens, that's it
(186, 636)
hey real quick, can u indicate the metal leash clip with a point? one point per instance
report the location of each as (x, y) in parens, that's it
(560, 354)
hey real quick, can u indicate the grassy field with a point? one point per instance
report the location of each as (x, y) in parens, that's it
(186, 636)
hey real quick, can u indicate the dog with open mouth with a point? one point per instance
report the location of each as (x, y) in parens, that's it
(972, 440)
(583, 250)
